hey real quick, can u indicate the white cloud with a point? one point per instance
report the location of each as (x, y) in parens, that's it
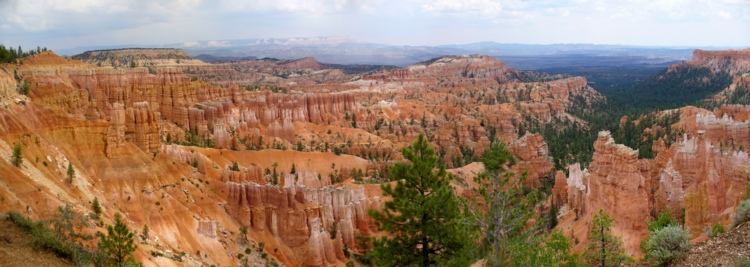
(624, 9)
(68, 23)
(297, 6)
(216, 44)
(41, 15)
(483, 7)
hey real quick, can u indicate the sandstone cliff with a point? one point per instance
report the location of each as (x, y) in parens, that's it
(137, 56)
(732, 61)
(699, 179)
(614, 183)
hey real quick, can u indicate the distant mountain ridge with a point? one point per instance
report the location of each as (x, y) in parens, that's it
(369, 53)
(338, 50)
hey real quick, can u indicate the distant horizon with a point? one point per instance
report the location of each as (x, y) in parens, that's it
(107, 46)
(353, 41)
(182, 45)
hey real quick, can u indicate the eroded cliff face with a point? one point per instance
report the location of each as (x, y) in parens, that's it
(9, 88)
(699, 179)
(545, 101)
(139, 125)
(301, 215)
(727, 126)
(166, 197)
(614, 183)
(137, 57)
(707, 169)
(481, 67)
(462, 103)
(168, 94)
(110, 125)
(159, 145)
(316, 223)
(533, 158)
(254, 74)
(703, 181)
(732, 61)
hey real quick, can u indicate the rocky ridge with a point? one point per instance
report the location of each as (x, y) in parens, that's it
(700, 179)
(137, 56)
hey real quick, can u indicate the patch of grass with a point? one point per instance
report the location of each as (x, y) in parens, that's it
(44, 238)
(742, 262)
(716, 230)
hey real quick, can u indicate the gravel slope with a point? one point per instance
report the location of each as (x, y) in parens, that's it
(724, 250)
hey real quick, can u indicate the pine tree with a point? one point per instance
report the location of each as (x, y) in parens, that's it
(423, 216)
(275, 174)
(604, 249)
(96, 208)
(118, 244)
(508, 209)
(23, 88)
(71, 173)
(144, 233)
(16, 159)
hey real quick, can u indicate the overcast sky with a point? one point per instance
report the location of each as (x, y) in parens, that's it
(75, 23)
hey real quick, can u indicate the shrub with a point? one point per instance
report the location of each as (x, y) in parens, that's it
(96, 208)
(144, 233)
(663, 220)
(234, 167)
(23, 88)
(71, 173)
(667, 244)
(742, 262)
(716, 230)
(20, 221)
(743, 213)
(44, 238)
(604, 249)
(16, 159)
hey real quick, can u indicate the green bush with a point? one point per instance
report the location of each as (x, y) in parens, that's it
(743, 213)
(23, 88)
(742, 262)
(17, 158)
(663, 220)
(716, 230)
(20, 221)
(667, 244)
(44, 238)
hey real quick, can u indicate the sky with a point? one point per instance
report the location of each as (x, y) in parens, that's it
(79, 23)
